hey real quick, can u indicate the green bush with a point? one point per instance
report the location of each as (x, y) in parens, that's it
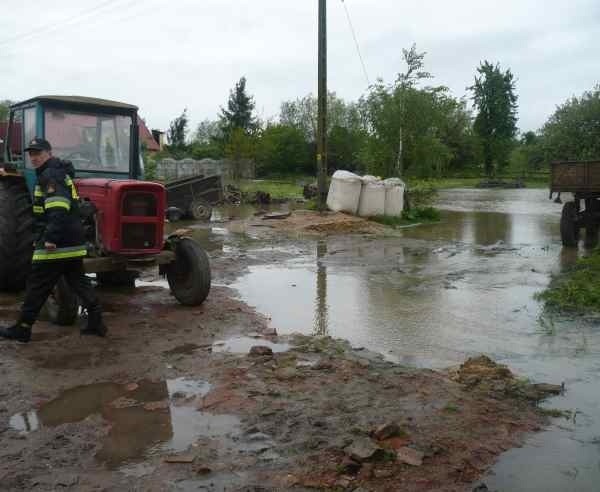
(420, 194)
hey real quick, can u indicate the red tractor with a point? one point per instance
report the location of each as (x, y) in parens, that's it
(123, 216)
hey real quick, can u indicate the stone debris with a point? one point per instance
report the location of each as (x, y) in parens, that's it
(386, 431)
(181, 458)
(156, 405)
(363, 449)
(409, 456)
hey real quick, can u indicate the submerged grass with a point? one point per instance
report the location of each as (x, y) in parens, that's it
(577, 290)
(416, 215)
(449, 183)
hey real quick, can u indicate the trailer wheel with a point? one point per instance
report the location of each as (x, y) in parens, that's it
(189, 275)
(174, 214)
(591, 236)
(569, 231)
(16, 233)
(591, 231)
(62, 307)
(200, 210)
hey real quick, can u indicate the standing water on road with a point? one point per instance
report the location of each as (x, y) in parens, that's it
(442, 292)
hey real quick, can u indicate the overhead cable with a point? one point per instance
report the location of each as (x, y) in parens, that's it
(362, 62)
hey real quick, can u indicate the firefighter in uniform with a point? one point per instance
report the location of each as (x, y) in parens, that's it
(59, 247)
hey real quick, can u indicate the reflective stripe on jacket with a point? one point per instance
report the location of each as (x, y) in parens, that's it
(56, 213)
(59, 253)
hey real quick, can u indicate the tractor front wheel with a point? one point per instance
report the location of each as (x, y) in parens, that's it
(16, 233)
(189, 275)
(62, 307)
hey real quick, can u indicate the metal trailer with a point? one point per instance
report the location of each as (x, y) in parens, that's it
(582, 179)
(193, 197)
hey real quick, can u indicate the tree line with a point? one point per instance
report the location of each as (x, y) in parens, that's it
(406, 127)
(409, 127)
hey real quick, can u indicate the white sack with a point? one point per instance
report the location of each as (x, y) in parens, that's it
(344, 192)
(394, 196)
(372, 197)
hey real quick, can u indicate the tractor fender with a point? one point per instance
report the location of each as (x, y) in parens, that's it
(171, 245)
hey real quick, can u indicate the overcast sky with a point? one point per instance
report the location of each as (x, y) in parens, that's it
(165, 56)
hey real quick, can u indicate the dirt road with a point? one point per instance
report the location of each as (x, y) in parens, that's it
(175, 399)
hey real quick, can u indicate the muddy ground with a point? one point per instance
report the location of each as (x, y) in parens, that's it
(175, 399)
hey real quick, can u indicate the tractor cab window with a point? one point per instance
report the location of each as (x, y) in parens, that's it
(14, 136)
(92, 142)
(28, 130)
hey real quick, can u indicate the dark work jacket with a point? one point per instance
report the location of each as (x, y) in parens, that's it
(56, 212)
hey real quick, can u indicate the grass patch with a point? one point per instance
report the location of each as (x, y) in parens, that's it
(416, 215)
(448, 183)
(450, 408)
(287, 188)
(577, 290)
(556, 413)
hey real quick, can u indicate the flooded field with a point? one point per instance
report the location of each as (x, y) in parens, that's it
(443, 292)
(211, 398)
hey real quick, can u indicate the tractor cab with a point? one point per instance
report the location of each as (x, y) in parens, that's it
(122, 216)
(100, 137)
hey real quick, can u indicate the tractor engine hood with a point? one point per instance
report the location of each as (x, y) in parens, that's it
(130, 214)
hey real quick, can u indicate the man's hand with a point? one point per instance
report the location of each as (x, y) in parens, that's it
(2, 171)
(49, 246)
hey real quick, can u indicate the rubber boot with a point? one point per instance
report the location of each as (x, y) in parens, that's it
(20, 331)
(95, 325)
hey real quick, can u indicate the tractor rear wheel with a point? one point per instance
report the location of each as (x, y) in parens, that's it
(16, 233)
(62, 307)
(569, 231)
(189, 275)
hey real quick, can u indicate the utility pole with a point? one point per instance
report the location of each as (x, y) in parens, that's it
(322, 108)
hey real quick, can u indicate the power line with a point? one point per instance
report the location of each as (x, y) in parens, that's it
(54, 26)
(362, 62)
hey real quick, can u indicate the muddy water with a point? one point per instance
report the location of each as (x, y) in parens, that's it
(443, 292)
(145, 417)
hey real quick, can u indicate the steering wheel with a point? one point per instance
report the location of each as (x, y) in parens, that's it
(79, 159)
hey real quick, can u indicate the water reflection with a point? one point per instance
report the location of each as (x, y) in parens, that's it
(487, 228)
(321, 312)
(442, 292)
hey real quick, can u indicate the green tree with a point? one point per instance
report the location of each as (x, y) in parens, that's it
(239, 112)
(178, 131)
(302, 114)
(573, 131)
(283, 149)
(208, 141)
(4, 109)
(345, 146)
(496, 120)
(419, 131)
(240, 147)
(406, 83)
(207, 132)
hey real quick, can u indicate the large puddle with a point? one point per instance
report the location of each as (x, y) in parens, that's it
(146, 417)
(446, 291)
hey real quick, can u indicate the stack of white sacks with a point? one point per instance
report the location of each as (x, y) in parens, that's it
(367, 196)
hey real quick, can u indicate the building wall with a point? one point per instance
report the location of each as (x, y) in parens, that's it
(170, 169)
